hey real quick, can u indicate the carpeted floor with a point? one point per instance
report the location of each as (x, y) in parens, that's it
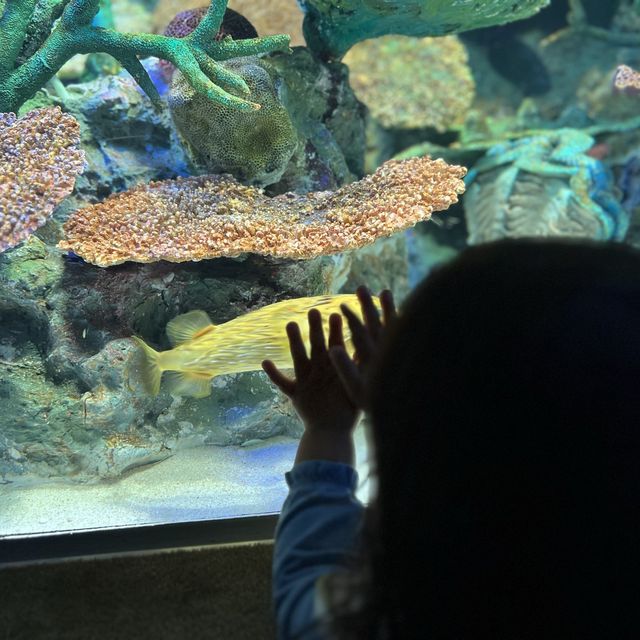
(220, 593)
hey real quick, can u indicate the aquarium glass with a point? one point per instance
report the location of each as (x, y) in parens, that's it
(179, 181)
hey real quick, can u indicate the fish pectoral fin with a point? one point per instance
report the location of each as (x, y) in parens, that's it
(188, 326)
(181, 383)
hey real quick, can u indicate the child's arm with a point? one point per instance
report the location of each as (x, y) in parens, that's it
(319, 526)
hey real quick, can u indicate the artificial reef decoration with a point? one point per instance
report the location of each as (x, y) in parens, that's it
(50, 32)
(199, 218)
(545, 185)
(40, 158)
(332, 27)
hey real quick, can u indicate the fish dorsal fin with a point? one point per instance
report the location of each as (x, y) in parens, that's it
(188, 326)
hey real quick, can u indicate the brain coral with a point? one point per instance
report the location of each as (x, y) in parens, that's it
(206, 217)
(253, 146)
(233, 24)
(39, 163)
(410, 83)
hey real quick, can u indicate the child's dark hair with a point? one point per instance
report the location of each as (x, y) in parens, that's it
(506, 426)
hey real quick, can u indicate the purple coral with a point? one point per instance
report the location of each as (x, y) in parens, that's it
(40, 159)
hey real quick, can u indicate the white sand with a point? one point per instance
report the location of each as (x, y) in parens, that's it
(195, 484)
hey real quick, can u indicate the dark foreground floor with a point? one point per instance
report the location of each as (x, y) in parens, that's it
(214, 593)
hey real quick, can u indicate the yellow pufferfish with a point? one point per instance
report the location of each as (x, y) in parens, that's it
(201, 350)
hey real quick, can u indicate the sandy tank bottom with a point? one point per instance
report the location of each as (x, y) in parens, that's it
(205, 483)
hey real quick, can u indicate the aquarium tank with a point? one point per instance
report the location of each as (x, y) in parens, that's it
(178, 180)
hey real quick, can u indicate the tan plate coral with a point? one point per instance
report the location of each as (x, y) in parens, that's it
(410, 83)
(215, 216)
(39, 162)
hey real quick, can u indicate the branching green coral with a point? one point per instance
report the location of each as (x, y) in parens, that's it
(196, 56)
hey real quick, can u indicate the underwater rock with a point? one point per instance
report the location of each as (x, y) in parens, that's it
(332, 27)
(214, 216)
(308, 135)
(543, 186)
(329, 120)
(411, 83)
(126, 141)
(514, 55)
(73, 403)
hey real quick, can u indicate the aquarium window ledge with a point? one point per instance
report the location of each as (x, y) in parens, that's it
(74, 544)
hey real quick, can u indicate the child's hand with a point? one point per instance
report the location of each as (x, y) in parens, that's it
(366, 339)
(328, 413)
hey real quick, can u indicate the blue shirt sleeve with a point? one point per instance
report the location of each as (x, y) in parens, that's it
(317, 534)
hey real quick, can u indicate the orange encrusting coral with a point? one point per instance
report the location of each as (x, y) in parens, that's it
(214, 216)
(39, 162)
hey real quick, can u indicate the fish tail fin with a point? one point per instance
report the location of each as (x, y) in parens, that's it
(184, 383)
(150, 368)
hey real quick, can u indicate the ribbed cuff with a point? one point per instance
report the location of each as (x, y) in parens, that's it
(322, 471)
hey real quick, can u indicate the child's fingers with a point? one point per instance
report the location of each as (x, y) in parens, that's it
(336, 337)
(359, 335)
(316, 334)
(297, 348)
(284, 383)
(349, 375)
(389, 312)
(369, 312)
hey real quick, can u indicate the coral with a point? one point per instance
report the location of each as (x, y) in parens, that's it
(185, 22)
(212, 216)
(332, 27)
(269, 17)
(626, 79)
(545, 185)
(410, 83)
(196, 55)
(254, 146)
(233, 24)
(39, 162)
